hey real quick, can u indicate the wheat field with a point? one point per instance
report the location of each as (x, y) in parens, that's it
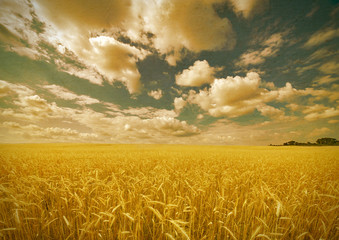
(79, 191)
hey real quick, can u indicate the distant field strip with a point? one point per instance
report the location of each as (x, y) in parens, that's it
(88, 191)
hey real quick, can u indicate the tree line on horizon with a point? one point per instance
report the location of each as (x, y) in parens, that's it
(320, 142)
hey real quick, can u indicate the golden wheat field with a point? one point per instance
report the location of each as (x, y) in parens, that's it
(78, 191)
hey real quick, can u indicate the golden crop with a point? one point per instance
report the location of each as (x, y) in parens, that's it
(77, 191)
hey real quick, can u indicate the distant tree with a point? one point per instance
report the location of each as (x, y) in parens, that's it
(327, 141)
(290, 143)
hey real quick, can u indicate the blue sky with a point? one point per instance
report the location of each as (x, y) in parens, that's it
(233, 72)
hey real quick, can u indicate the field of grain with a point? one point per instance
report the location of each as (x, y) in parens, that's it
(75, 191)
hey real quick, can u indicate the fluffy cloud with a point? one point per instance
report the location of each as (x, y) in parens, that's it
(173, 126)
(7, 88)
(32, 131)
(233, 96)
(198, 74)
(187, 24)
(247, 8)
(237, 96)
(116, 60)
(322, 36)
(148, 112)
(91, 32)
(269, 48)
(66, 94)
(179, 104)
(156, 94)
(99, 14)
(46, 120)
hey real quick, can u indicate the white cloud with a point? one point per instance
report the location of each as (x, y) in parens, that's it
(322, 36)
(7, 89)
(200, 116)
(247, 8)
(274, 113)
(330, 67)
(116, 61)
(66, 94)
(320, 94)
(88, 72)
(35, 132)
(179, 104)
(198, 74)
(233, 96)
(36, 119)
(269, 48)
(237, 96)
(148, 112)
(319, 111)
(186, 24)
(174, 25)
(324, 80)
(156, 94)
(293, 106)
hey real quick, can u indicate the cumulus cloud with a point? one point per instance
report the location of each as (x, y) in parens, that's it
(32, 131)
(100, 14)
(116, 60)
(81, 29)
(148, 112)
(91, 32)
(233, 96)
(7, 88)
(187, 24)
(44, 119)
(198, 74)
(247, 8)
(66, 94)
(268, 49)
(173, 126)
(156, 94)
(322, 36)
(237, 96)
(179, 104)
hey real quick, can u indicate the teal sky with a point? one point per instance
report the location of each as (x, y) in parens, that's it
(233, 72)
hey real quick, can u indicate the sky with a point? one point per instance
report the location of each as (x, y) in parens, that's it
(219, 72)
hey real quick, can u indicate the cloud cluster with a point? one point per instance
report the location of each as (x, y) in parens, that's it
(322, 36)
(93, 32)
(319, 111)
(156, 94)
(90, 30)
(36, 118)
(247, 8)
(268, 49)
(237, 96)
(198, 74)
(187, 24)
(66, 94)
